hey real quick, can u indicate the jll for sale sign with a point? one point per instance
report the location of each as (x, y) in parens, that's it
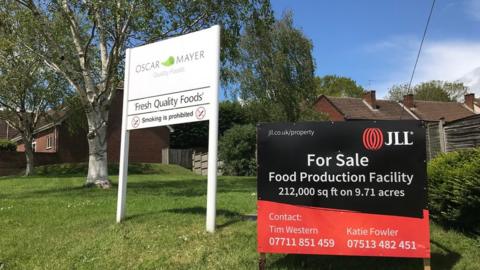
(343, 188)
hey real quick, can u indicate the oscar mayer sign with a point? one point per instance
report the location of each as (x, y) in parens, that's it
(343, 188)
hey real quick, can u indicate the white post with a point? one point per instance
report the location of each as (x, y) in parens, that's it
(124, 145)
(212, 146)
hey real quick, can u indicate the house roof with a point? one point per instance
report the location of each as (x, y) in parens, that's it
(435, 110)
(51, 119)
(56, 117)
(357, 108)
(6, 132)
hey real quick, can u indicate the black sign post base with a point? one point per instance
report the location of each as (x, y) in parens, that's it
(426, 264)
(262, 261)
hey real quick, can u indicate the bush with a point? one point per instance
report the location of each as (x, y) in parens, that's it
(7, 146)
(237, 150)
(454, 188)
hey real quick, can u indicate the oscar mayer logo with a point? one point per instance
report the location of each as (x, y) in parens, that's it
(157, 64)
(373, 138)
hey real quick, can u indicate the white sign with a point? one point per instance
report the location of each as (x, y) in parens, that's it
(171, 81)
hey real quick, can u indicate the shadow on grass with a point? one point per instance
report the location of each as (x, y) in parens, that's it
(445, 260)
(187, 187)
(231, 216)
(22, 177)
(65, 191)
(192, 187)
(473, 232)
(297, 261)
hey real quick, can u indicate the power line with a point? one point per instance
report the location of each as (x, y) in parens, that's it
(418, 55)
(421, 45)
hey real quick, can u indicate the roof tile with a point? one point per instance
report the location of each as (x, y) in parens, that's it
(356, 108)
(435, 110)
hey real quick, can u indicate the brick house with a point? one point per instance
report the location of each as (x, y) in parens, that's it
(70, 144)
(369, 108)
(366, 108)
(450, 125)
(437, 115)
(440, 110)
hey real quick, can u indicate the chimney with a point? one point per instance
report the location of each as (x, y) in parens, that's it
(408, 101)
(369, 97)
(469, 100)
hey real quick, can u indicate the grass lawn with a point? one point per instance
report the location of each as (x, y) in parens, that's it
(52, 222)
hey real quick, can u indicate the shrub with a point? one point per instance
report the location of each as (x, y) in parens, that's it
(237, 150)
(7, 146)
(454, 188)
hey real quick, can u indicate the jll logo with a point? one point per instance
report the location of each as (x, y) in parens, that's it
(373, 138)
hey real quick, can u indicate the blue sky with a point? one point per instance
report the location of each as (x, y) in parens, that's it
(375, 42)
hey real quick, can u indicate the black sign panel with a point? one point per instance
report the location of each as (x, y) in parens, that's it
(367, 166)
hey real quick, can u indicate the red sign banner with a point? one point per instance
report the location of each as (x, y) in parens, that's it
(284, 228)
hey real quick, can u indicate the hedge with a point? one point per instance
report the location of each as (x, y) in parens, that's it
(7, 146)
(454, 188)
(237, 150)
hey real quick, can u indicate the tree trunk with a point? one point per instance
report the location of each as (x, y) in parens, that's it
(27, 140)
(97, 144)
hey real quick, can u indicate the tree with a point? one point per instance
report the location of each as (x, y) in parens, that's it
(397, 91)
(432, 90)
(84, 41)
(277, 68)
(333, 85)
(237, 150)
(193, 135)
(27, 91)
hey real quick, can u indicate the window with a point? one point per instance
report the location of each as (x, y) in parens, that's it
(49, 142)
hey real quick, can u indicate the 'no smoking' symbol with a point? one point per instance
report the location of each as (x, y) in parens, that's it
(135, 122)
(200, 113)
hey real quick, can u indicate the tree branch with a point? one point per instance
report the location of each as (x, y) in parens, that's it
(74, 29)
(102, 42)
(195, 21)
(89, 41)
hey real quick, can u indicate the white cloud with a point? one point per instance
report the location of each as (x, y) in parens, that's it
(394, 43)
(447, 60)
(472, 79)
(450, 60)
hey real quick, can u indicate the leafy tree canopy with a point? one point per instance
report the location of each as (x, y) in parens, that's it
(276, 69)
(27, 89)
(432, 90)
(338, 86)
(195, 135)
(85, 42)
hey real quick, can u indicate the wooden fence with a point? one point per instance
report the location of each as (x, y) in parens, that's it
(452, 136)
(463, 133)
(434, 145)
(200, 163)
(197, 161)
(182, 157)
(14, 162)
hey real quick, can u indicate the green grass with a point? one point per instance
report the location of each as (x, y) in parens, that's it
(81, 169)
(50, 222)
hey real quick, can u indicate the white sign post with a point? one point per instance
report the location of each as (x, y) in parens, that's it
(172, 82)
